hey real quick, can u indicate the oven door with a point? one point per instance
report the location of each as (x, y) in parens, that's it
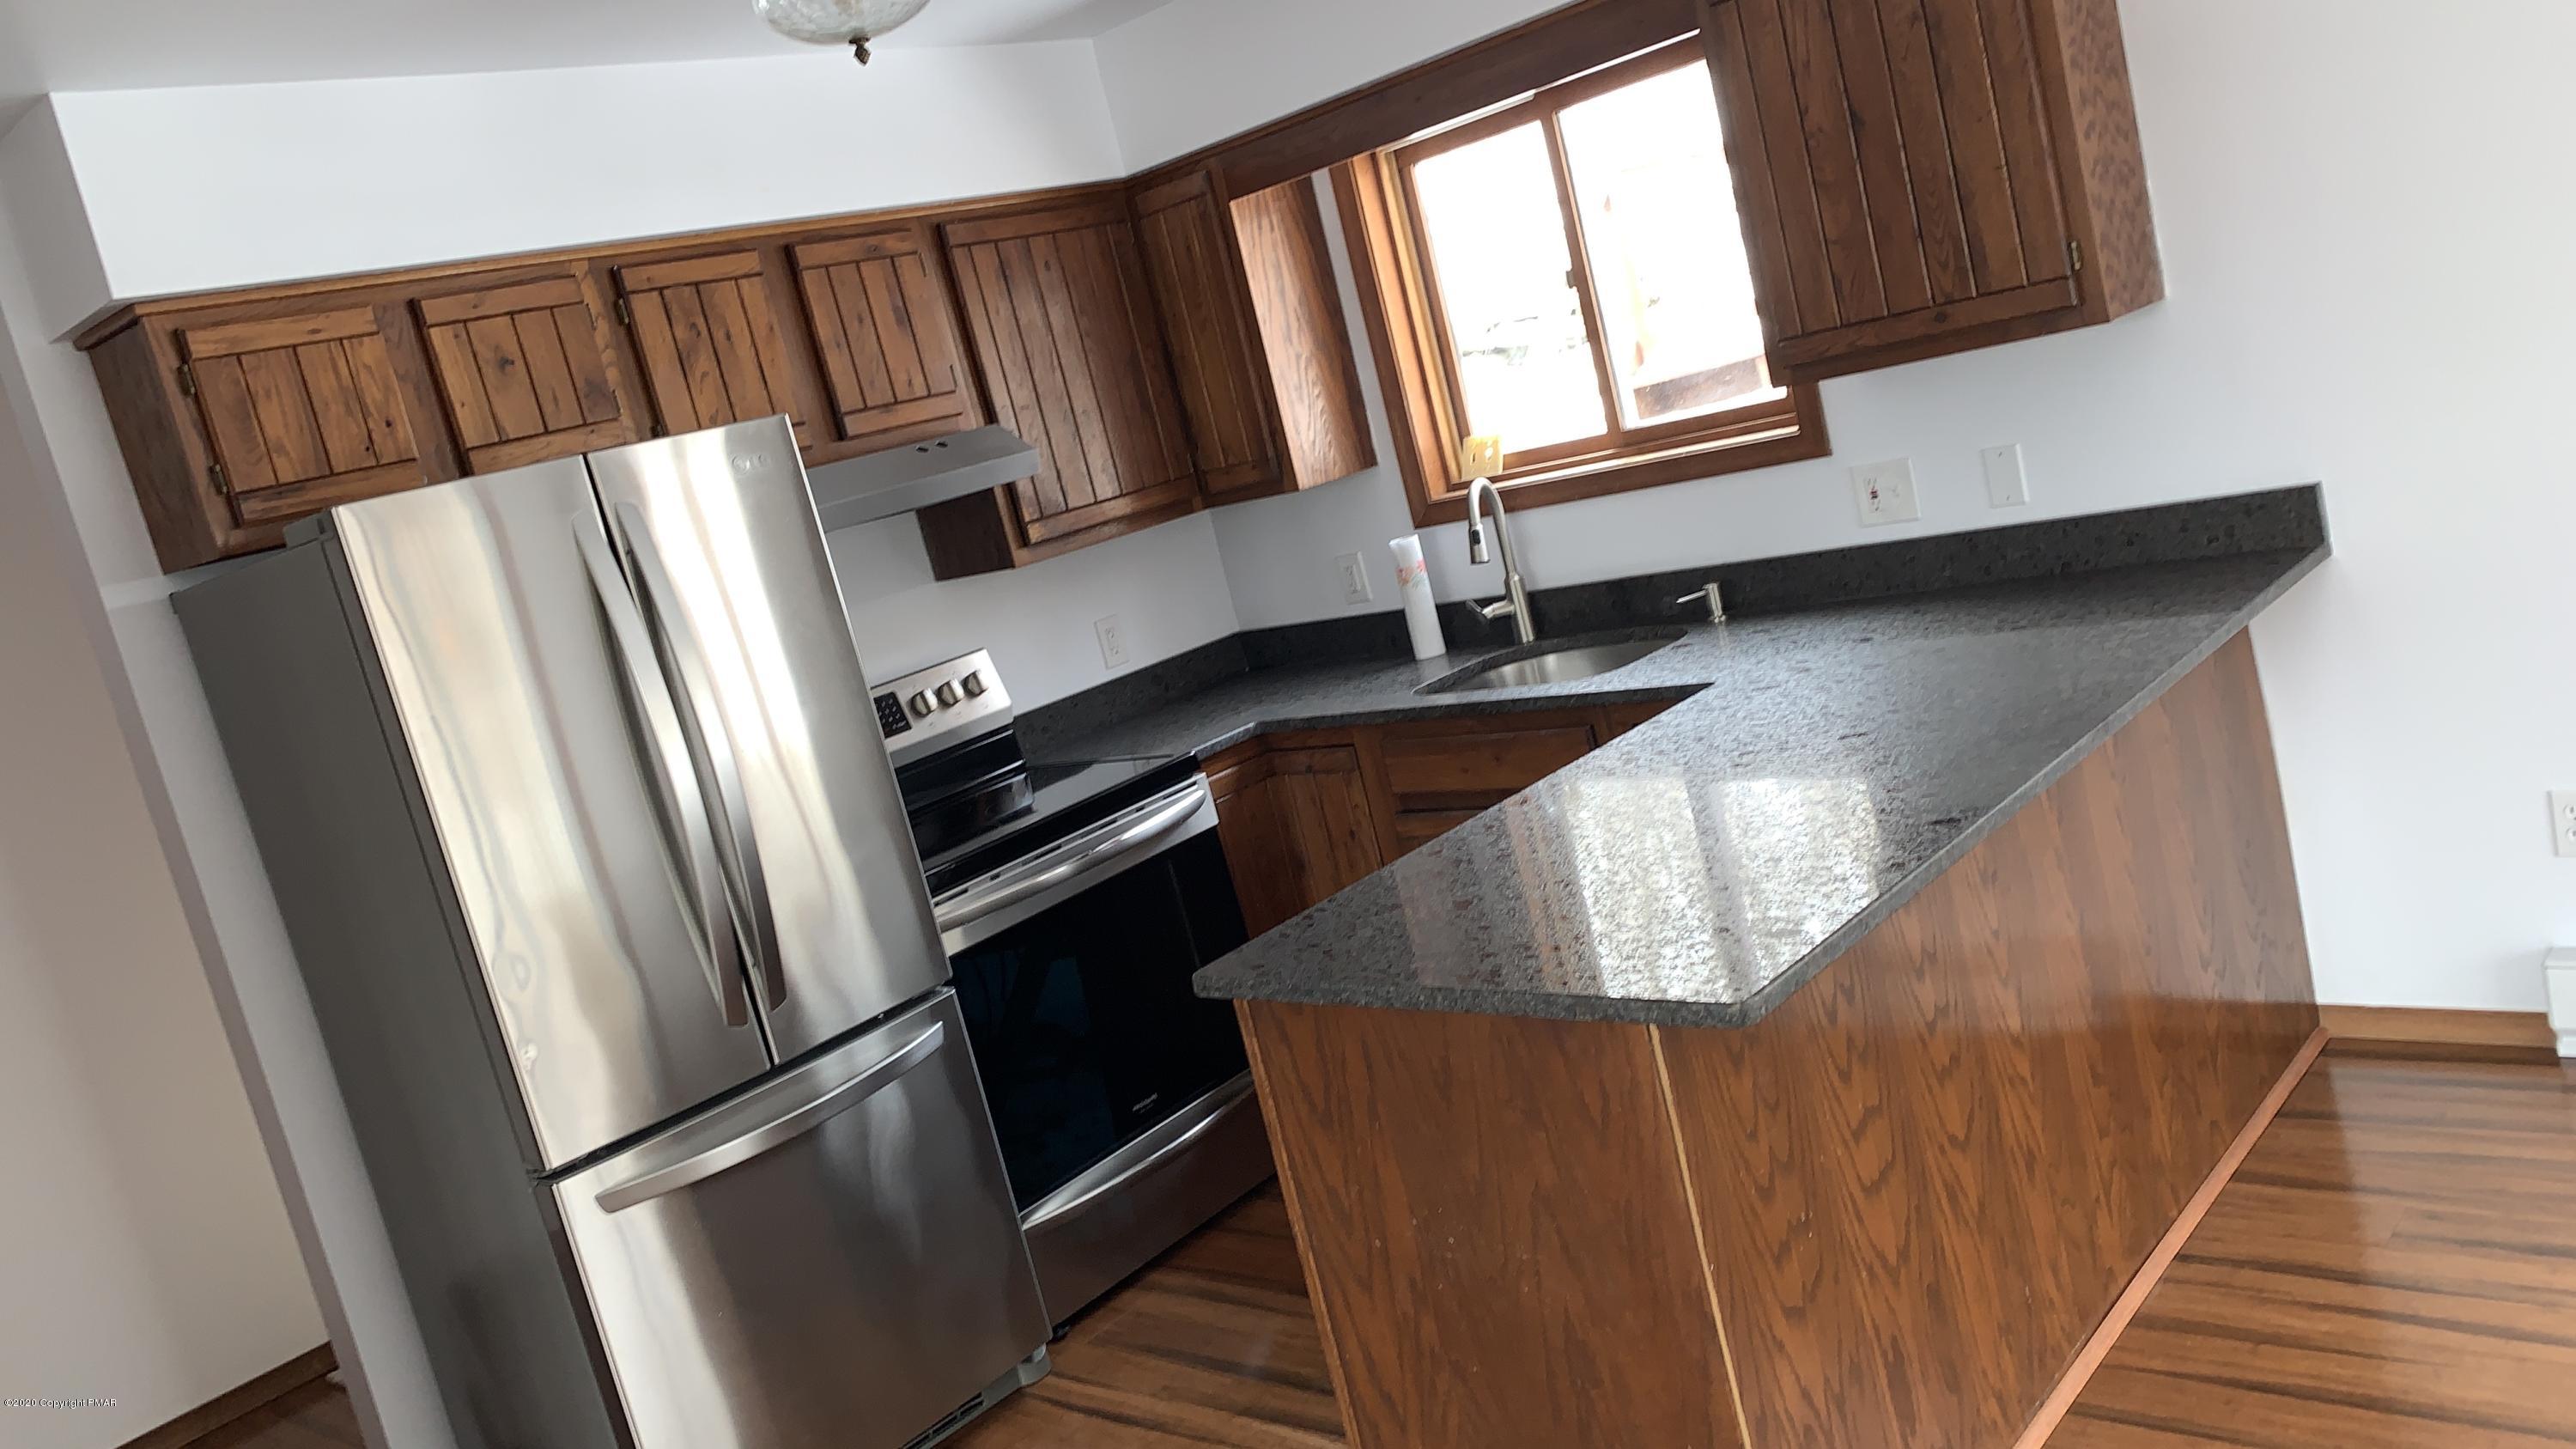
(1077, 993)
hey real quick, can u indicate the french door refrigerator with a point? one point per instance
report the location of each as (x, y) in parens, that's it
(572, 795)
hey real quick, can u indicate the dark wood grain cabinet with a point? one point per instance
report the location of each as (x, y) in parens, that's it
(527, 370)
(1297, 826)
(885, 335)
(1928, 176)
(1066, 339)
(708, 330)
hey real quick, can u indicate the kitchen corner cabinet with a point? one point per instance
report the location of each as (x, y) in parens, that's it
(1296, 823)
(1930, 177)
(1307, 813)
(1066, 339)
(1267, 374)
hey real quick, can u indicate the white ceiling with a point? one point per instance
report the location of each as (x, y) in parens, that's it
(49, 45)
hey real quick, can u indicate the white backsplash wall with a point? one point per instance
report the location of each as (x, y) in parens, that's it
(2420, 685)
(1166, 585)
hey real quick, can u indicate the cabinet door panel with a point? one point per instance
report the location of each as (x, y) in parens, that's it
(707, 330)
(1458, 770)
(301, 412)
(1895, 171)
(525, 372)
(1073, 359)
(1182, 231)
(888, 343)
(1297, 826)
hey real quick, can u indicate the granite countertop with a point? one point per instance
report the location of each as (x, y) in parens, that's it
(1825, 765)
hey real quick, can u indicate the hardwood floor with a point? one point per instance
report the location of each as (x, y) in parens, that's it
(2394, 1265)
(1214, 1344)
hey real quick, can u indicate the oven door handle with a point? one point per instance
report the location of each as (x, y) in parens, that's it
(972, 903)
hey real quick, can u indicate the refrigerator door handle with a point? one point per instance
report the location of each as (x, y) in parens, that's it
(776, 1132)
(694, 690)
(655, 727)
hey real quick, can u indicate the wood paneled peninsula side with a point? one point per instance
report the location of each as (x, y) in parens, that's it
(1816, 1063)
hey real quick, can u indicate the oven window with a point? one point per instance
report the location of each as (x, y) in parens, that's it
(1085, 1031)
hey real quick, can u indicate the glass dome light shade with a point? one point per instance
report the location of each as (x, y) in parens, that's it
(836, 22)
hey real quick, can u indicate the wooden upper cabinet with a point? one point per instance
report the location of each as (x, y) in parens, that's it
(1197, 279)
(886, 336)
(708, 333)
(526, 371)
(1071, 354)
(1920, 177)
(1259, 343)
(299, 411)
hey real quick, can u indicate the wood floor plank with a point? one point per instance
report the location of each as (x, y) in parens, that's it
(2393, 1266)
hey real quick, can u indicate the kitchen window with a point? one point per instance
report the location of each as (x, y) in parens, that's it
(1566, 272)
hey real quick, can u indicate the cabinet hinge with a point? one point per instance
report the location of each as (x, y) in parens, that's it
(187, 380)
(2074, 255)
(625, 315)
(223, 484)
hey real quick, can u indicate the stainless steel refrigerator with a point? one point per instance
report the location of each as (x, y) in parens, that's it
(574, 801)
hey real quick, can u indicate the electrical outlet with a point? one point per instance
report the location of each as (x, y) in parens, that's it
(1886, 492)
(2562, 820)
(1113, 641)
(1355, 584)
(2007, 486)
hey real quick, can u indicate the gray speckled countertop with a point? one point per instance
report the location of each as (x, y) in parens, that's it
(1824, 767)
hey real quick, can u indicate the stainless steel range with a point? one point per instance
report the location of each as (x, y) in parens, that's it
(1075, 899)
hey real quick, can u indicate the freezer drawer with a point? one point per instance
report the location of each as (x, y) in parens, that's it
(832, 1260)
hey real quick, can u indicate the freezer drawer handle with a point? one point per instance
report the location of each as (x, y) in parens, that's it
(695, 691)
(775, 1133)
(973, 903)
(655, 725)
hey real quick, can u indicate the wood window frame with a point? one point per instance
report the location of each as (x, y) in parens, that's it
(1409, 332)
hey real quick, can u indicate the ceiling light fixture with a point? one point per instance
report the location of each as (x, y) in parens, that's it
(837, 22)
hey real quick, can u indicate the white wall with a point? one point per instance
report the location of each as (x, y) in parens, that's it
(145, 1247)
(2320, 240)
(318, 178)
(1165, 586)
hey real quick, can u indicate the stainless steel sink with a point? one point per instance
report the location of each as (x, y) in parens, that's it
(1550, 663)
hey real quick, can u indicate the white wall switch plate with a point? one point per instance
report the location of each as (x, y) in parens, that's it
(2560, 967)
(1355, 584)
(2007, 486)
(1886, 492)
(2562, 821)
(1113, 641)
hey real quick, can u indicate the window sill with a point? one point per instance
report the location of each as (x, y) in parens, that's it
(1798, 436)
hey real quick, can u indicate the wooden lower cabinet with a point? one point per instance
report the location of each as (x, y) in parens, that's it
(1297, 826)
(1884, 1216)
(1305, 814)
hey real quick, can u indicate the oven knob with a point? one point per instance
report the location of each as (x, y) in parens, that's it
(975, 685)
(919, 704)
(948, 695)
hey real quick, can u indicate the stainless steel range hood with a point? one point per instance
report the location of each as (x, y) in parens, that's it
(901, 480)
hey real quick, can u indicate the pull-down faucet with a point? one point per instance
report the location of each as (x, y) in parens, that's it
(1515, 599)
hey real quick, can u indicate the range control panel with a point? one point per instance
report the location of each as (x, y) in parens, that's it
(941, 705)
